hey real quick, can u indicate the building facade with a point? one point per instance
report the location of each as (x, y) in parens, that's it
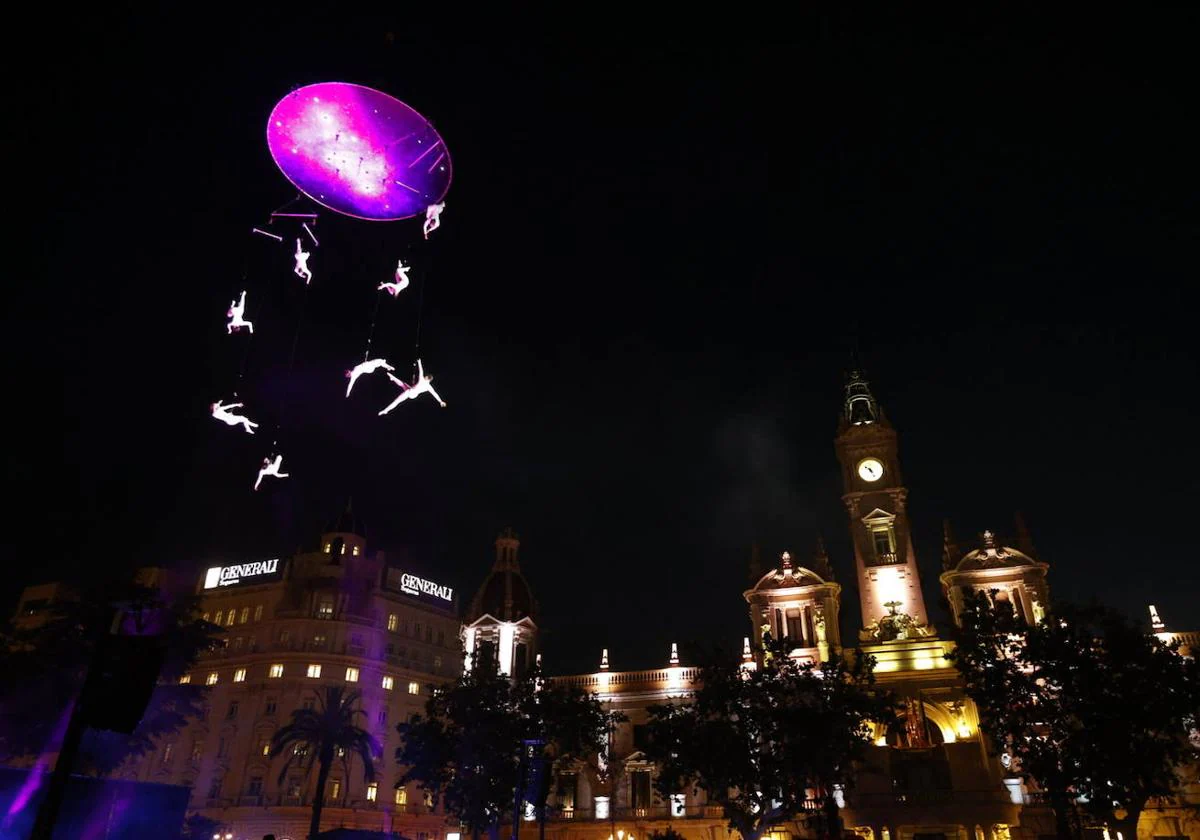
(339, 614)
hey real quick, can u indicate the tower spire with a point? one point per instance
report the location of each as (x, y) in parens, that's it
(950, 553)
(859, 405)
(1024, 538)
(821, 563)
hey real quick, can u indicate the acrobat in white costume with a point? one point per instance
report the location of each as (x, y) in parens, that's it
(411, 392)
(301, 268)
(369, 366)
(222, 413)
(270, 467)
(433, 217)
(401, 283)
(237, 308)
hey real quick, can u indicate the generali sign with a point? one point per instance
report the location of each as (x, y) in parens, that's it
(241, 573)
(414, 585)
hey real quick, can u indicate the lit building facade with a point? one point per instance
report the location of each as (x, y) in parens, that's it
(339, 614)
(334, 615)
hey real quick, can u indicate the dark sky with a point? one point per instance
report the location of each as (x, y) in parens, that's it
(656, 258)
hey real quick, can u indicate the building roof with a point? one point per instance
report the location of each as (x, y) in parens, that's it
(504, 594)
(992, 555)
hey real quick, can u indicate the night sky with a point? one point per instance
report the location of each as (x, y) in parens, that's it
(657, 257)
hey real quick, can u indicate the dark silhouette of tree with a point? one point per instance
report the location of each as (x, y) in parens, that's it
(762, 742)
(1089, 707)
(47, 661)
(318, 735)
(467, 750)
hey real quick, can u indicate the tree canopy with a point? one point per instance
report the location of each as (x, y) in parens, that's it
(319, 735)
(45, 663)
(467, 749)
(1091, 708)
(772, 744)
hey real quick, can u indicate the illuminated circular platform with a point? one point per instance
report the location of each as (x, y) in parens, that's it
(358, 151)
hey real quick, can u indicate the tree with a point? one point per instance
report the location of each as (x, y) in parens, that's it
(758, 741)
(317, 736)
(45, 664)
(467, 750)
(1087, 706)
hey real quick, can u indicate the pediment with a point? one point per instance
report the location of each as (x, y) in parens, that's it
(879, 516)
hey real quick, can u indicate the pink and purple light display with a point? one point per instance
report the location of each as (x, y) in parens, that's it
(358, 151)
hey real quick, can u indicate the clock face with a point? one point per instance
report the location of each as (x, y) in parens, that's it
(870, 469)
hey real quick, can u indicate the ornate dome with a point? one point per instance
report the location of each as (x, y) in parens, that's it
(789, 576)
(505, 594)
(992, 555)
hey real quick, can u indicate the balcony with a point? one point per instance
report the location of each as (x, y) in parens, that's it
(885, 558)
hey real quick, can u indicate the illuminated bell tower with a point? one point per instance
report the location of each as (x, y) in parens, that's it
(889, 585)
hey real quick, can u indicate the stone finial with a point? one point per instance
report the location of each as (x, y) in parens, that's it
(674, 654)
(989, 539)
(786, 560)
(604, 660)
(1156, 623)
(746, 654)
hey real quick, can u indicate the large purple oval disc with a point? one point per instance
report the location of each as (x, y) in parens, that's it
(358, 151)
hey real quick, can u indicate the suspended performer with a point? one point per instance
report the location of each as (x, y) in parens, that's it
(271, 467)
(223, 413)
(423, 385)
(237, 309)
(369, 366)
(433, 217)
(301, 268)
(401, 283)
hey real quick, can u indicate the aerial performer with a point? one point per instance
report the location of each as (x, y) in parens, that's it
(301, 268)
(401, 283)
(270, 467)
(237, 309)
(423, 385)
(433, 217)
(229, 418)
(369, 366)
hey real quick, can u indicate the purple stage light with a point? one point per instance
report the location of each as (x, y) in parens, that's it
(358, 151)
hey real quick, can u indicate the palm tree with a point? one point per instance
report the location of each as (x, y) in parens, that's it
(321, 734)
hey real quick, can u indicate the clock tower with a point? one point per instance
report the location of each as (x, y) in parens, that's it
(889, 585)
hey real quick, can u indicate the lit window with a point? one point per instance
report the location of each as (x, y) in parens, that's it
(351, 675)
(437, 662)
(245, 615)
(343, 551)
(401, 796)
(237, 643)
(167, 750)
(314, 671)
(266, 747)
(204, 617)
(372, 791)
(326, 548)
(185, 679)
(428, 799)
(414, 688)
(325, 609)
(393, 620)
(335, 788)
(258, 613)
(276, 671)
(601, 809)
(284, 636)
(389, 683)
(219, 616)
(212, 679)
(230, 618)
(239, 675)
(355, 551)
(319, 640)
